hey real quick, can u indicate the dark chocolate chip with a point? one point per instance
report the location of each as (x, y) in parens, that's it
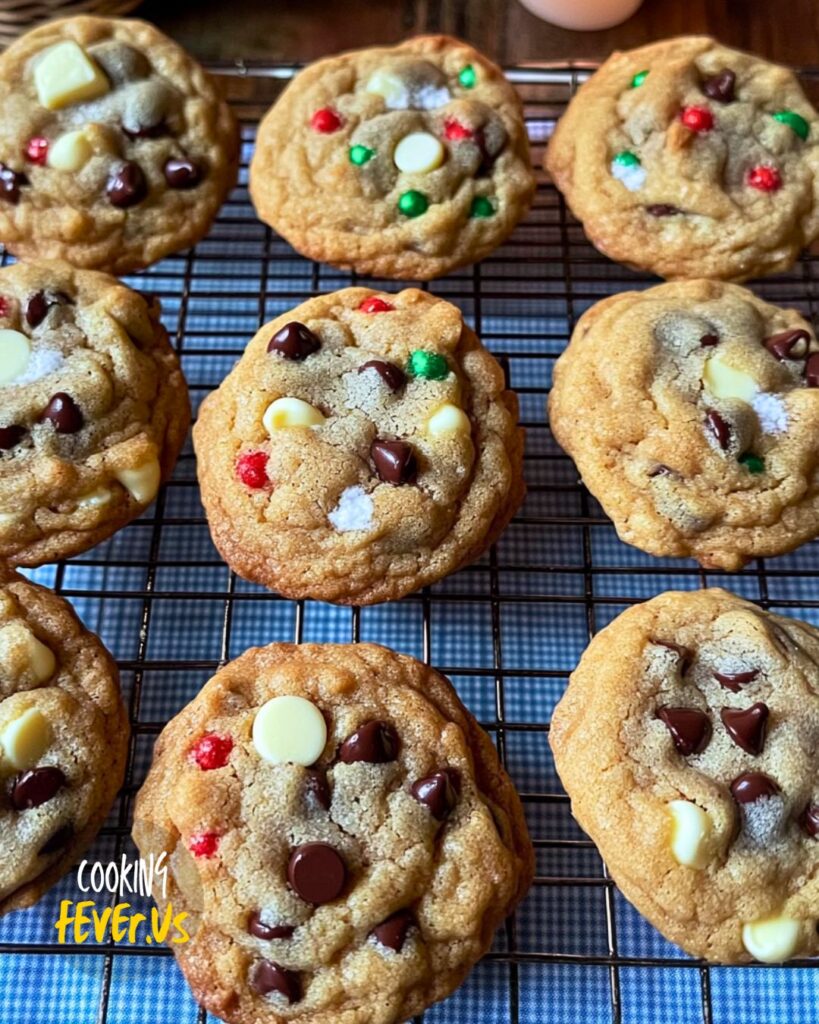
(394, 461)
(40, 303)
(709, 340)
(392, 375)
(809, 820)
(64, 413)
(316, 783)
(751, 786)
(812, 370)
(690, 729)
(734, 681)
(793, 344)
(720, 87)
(686, 655)
(316, 873)
(719, 428)
(32, 788)
(10, 184)
(267, 977)
(146, 131)
(392, 933)
(11, 436)
(746, 726)
(438, 792)
(662, 210)
(373, 742)
(61, 838)
(661, 470)
(127, 186)
(257, 927)
(294, 341)
(181, 173)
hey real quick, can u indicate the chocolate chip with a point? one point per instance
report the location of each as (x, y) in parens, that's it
(373, 743)
(11, 436)
(317, 873)
(39, 304)
(294, 341)
(438, 792)
(685, 654)
(809, 820)
(394, 461)
(182, 173)
(316, 783)
(392, 933)
(751, 786)
(146, 131)
(734, 681)
(792, 344)
(64, 413)
(35, 787)
(662, 210)
(720, 87)
(267, 977)
(10, 184)
(61, 838)
(392, 375)
(690, 729)
(661, 470)
(719, 428)
(709, 340)
(127, 186)
(257, 927)
(746, 727)
(812, 370)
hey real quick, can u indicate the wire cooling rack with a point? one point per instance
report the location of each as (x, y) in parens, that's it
(507, 631)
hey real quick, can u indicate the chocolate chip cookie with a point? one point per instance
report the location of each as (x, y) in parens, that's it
(692, 410)
(115, 148)
(403, 161)
(689, 159)
(339, 830)
(363, 447)
(93, 409)
(687, 742)
(63, 739)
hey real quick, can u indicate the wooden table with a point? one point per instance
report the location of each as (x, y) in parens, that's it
(301, 30)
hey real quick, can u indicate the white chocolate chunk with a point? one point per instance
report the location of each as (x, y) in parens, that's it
(142, 482)
(65, 74)
(23, 643)
(448, 419)
(353, 512)
(632, 176)
(15, 351)
(25, 739)
(391, 87)
(95, 499)
(41, 659)
(691, 829)
(289, 730)
(771, 941)
(418, 153)
(724, 381)
(290, 412)
(70, 152)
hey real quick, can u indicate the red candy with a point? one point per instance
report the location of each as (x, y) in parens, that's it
(37, 150)
(5, 306)
(375, 305)
(766, 179)
(251, 469)
(455, 131)
(212, 751)
(697, 119)
(203, 844)
(325, 121)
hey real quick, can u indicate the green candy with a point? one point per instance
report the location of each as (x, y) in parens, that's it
(428, 365)
(468, 77)
(753, 463)
(627, 159)
(481, 207)
(413, 203)
(360, 155)
(794, 121)
(638, 79)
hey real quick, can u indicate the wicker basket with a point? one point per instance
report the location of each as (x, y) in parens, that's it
(16, 16)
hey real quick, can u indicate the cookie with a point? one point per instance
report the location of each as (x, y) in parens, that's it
(687, 743)
(93, 409)
(115, 148)
(339, 830)
(688, 159)
(63, 739)
(402, 162)
(363, 447)
(692, 410)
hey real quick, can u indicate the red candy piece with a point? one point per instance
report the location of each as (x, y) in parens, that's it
(766, 179)
(251, 469)
(203, 844)
(37, 150)
(5, 306)
(325, 121)
(697, 119)
(455, 131)
(212, 751)
(375, 305)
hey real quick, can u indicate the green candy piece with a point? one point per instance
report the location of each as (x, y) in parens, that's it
(627, 159)
(753, 463)
(638, 79)
(794, 121)
(428, 365)
(360, 155)
(481, 207)
(468, 77)
(413, 203)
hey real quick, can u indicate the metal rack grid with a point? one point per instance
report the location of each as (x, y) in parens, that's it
(507, 630)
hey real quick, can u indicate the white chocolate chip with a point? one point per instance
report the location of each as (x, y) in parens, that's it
(15, 351)
(691, 829)
(290, 412)
(23, 645)
(25, 739)
(70, 152)
(632, 176)
(65, 74)
(418, 153)
(771, 941)
(142, 482)
(95, 499)
(289, 730)
(353, 512)
(391, 88)
(724, 381)
(448, 419)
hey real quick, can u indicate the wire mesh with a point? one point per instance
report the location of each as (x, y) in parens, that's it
(506, 630)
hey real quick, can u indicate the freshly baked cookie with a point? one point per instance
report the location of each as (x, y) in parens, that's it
(689, 159)
(63, 739)
(363, 447)
(339, 830)
(403, 161)
(93, 409)
(692, 412)
(687, 741)
(115, 148)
